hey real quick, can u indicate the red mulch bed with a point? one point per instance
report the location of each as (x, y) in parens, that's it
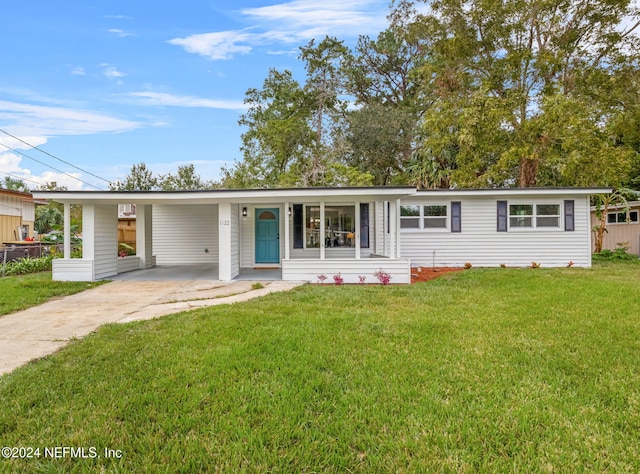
(429, 273)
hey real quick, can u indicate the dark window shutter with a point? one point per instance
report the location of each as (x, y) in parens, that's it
(298, 237)
(364, 225)
(569, 215)
(388, 217)
(456, 216)
(502, 216)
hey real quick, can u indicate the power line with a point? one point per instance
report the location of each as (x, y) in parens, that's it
(55, 157)
(21, 179)
(49, 166)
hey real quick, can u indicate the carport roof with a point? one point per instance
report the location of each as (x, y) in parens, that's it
(228, 195)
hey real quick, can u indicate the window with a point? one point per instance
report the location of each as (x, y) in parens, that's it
(423, 217)
(523, 215)
(312, 226)
(410, 217)
(435, 217)
(621, 217)
(339, 225)
(547, 215)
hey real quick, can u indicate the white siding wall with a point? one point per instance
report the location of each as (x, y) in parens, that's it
(72, 269)
(349, 269)
(105, 254)
(181, 233)
(28, 211)
(235, 240)
(480, 244)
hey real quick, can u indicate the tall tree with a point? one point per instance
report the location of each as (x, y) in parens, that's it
(390, 100)
(503, 74)
(186, 179)
(140, 178)
(14, 184)
(277, 141)
(323, 89)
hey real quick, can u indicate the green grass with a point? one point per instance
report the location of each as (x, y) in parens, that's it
(21, 292)
(501, 370)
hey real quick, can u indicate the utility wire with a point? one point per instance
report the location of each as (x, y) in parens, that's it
(18, 177)
(49, 166)
(54, 157)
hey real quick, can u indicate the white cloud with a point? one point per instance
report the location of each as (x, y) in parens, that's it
(112, 72)
(7, 142)
(28, 120)
(12, 163)
(217, 45)
(118, 17)
(292, 22)
(119, 33)
(328, 14)
(163, 99)
(78, 71)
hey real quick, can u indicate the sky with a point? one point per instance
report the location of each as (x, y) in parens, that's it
(99, 85)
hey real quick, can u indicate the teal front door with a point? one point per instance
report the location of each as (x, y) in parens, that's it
(267, 236)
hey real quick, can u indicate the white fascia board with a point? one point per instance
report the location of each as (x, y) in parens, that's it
(234, 196)
(461, 193)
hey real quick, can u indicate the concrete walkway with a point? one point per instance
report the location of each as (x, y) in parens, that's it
(42, 330)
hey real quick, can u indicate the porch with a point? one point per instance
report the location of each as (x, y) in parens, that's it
(288, 234)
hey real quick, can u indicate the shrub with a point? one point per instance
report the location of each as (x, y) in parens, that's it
(322, 277)
(338, 280)
(125, 250)
(382, 276)
(28, 265)
(618, 254)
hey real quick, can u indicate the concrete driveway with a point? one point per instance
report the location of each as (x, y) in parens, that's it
(42, 330)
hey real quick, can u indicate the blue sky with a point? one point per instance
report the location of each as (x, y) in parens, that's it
(105, 84)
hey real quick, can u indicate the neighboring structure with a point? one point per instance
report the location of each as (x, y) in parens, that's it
(620, 231)
(17, 216)
(127, 224)
(325, 231)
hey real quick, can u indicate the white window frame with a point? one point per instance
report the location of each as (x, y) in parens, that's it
(421, 217)
(618, 213)
(534, 216)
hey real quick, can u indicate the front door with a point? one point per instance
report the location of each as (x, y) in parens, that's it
(267, 236)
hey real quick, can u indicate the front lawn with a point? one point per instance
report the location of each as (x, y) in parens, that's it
(502, 370)
(21, 292)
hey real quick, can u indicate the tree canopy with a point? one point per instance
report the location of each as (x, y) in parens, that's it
(464, 93)
(141, 178)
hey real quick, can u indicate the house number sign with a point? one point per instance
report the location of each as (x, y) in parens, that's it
(227, 222)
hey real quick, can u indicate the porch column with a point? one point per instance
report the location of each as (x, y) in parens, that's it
(144, 249)
(393, 229)
(322, 231)
(378, 219)
(357, 229)
(67, 231)
(88, 232)
(286, 230)
(224, 241)
(397, 228)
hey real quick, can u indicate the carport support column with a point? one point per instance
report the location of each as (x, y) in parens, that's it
(66, 237)
(144, 249)
(88, 232)
(224, 241)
